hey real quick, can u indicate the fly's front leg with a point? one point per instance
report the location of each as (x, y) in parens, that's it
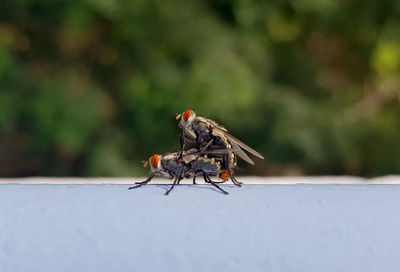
(142, 182)
(182, 142)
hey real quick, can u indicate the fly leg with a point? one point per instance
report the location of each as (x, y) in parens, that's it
(177, 179)
(179, 176)
(208, 180)
(203, 149)
(234, 180)
(142, 182)
(182, 142)
(206, 146)
(194, 179)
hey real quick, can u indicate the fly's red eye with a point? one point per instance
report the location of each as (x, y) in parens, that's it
(187, 114)
(154, 160)
(224, 175)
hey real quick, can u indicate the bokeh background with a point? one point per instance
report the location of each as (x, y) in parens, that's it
(92, 87)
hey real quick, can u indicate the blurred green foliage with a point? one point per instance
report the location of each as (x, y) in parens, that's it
(92, 87)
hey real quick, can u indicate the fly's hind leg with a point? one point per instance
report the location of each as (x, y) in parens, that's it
(234, 180)
(207, 179)
(194, 181)
(142, 182)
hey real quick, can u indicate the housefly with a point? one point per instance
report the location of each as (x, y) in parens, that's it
(186, 164)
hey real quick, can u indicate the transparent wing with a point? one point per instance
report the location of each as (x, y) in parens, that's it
(240, 153)
(239, 143)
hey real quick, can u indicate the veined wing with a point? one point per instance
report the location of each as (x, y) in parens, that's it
(238, 151)
(242, 145)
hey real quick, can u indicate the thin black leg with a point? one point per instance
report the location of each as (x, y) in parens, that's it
(234, 180)
(142, 182)
(206, 146)
(208, 180)
(223, 181)
(173, 185)
(194, 179)
(182, 142)
(203, 149)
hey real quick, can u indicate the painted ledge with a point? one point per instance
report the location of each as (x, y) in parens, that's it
(105, 227)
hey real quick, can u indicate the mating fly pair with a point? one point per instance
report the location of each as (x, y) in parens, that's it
(215, 154)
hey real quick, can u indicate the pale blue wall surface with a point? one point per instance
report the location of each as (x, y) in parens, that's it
(254, 228)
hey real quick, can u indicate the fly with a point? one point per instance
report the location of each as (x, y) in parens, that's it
(186, 164)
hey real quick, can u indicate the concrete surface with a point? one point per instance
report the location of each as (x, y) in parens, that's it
(195, 228)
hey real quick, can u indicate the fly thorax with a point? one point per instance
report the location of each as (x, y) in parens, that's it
(202, 131)
(190, 134)
(173, 167)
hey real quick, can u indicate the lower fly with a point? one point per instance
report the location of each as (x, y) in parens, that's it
(179, 165)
